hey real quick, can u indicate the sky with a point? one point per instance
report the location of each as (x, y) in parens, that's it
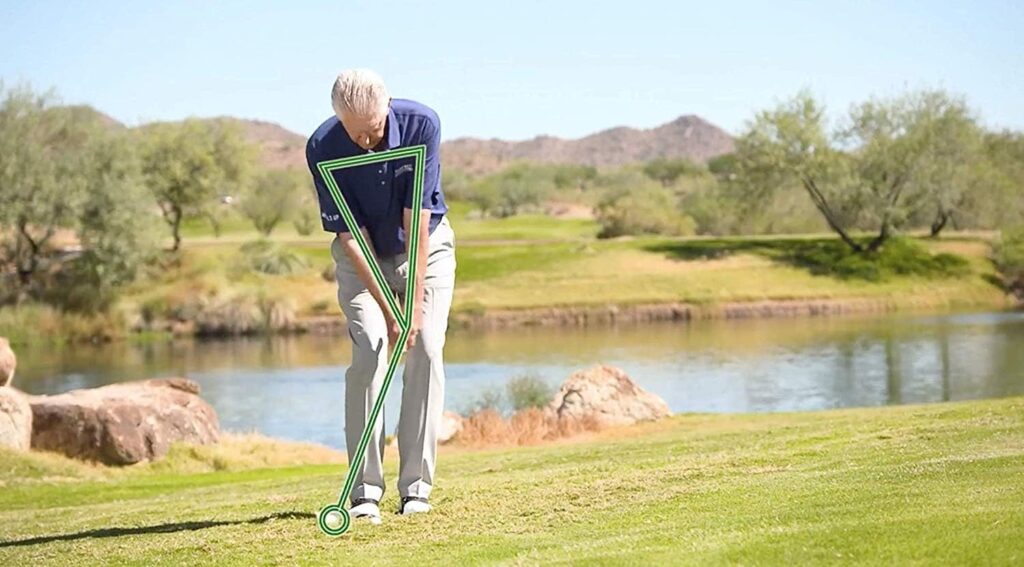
(514, 70)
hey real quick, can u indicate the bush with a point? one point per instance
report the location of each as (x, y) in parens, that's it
(1009, 257)
(898, 257)
(641, 207)
(33, 323)
(528, 391)
(488, 400)
(269, 258)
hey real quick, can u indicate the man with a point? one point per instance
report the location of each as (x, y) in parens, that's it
(367, 120)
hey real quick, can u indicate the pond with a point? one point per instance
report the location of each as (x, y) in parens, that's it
(292, 387)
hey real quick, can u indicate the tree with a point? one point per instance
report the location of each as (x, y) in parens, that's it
(952, 149)
(512, 189)
(188, 164)
(874, 173)
(273, 197)
(666, 171)
(115, 226)
(635, 204)
(64, 172)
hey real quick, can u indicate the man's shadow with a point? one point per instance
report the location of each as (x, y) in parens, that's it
(158, 529)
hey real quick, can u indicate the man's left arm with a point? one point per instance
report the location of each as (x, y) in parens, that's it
(421, 269)
(431, 185)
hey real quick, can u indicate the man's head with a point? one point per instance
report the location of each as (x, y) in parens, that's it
(361, 101)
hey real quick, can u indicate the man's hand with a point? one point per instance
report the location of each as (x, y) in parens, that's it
(414, 329)
(394, 330)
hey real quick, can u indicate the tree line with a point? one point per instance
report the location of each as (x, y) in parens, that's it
(85, 205)
(918, 161)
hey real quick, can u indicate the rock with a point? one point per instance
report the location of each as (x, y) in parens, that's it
(8, 362)
(451, 425)
(607, 396)
(123, 423)
(15, 419)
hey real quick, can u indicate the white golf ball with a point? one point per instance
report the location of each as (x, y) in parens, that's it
(333, 520)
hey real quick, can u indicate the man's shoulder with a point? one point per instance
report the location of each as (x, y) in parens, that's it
(411, 109)
(323, 138)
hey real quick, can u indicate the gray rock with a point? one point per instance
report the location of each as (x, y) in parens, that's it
(123, 423)
(15, 419)
(8, 362)
(607, 396)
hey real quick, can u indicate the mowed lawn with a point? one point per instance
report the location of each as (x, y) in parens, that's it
(937, 484)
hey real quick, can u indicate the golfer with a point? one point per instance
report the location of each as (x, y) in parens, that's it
(366, 119)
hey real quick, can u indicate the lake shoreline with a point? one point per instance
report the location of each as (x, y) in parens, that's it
(638, 314)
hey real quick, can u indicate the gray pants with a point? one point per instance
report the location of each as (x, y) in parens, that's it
(423, 381)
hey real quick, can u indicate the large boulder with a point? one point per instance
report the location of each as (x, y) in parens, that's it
(125, 423)
(15, 419)
(8, 362)
(605, 396)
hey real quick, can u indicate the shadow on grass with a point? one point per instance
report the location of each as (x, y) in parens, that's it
(157, 529)
(827, 256)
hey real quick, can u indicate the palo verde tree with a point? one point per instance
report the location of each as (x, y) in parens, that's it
(274, 196)
(66, 175)
(874, 173)
(188, 164)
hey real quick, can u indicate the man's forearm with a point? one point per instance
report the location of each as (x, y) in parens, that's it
(421, 257)
(362, 266)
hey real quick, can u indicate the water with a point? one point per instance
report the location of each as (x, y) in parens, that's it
(291, 387)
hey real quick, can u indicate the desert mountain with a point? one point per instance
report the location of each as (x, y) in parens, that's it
(689, 137)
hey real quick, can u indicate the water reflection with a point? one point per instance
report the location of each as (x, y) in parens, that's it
(292, 386)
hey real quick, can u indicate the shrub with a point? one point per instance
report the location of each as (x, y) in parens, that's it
(488, 400)
(528, 391)
(898, 257)
(1009, 257)
(641, 207)
(269, 258)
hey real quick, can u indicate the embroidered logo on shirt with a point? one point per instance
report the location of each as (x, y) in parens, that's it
(404, 169)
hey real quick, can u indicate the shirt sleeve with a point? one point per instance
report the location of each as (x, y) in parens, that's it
(431, 168)
(330, 216)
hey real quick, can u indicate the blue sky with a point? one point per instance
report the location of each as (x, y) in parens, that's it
(513, 70)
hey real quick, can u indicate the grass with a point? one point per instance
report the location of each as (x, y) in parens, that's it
(938, 484)
(536, 261)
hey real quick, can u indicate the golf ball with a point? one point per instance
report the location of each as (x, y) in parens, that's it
(333, 520)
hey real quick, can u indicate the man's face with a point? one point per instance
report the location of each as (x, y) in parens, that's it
(365, 131)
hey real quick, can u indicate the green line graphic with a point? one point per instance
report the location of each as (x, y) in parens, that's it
(334, 519)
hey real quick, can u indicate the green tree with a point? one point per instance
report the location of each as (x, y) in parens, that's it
(188, 164)
(511, 190)
(667, 171)
(41, 153)
(115, 226)
(273, 197)
(875, 173)
(635, 204)
(62, 171)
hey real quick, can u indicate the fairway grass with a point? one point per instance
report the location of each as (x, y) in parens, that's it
(936, 484)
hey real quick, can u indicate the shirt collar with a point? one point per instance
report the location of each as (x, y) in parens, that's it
(394, 136)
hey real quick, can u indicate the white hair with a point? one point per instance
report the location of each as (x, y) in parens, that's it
(360, 92)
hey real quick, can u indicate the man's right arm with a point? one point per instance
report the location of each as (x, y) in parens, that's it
(362, 267)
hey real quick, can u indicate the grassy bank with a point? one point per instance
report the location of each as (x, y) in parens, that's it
(531, 262)
(939, 484)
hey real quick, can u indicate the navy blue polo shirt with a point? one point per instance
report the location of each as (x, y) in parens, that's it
(377, 193)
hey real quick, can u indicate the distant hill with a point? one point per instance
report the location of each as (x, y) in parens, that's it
(279, 148)
(688, 136)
